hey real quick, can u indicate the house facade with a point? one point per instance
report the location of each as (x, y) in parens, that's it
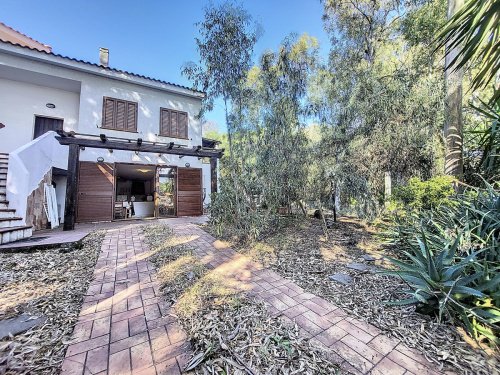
(141, 151)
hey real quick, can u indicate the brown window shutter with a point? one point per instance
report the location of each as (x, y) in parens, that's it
(108, 113)
(121, 108)
(119, 114)
(174, 125)
(183, 125)
(131, 117)
(164, 122)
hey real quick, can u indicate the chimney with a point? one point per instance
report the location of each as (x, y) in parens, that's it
(104, 57)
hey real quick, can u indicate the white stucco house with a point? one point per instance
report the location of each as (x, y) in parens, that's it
(137, 148)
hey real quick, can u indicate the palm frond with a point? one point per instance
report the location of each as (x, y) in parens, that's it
(475, 32)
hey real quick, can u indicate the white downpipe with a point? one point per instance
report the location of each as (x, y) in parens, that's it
(27, 167)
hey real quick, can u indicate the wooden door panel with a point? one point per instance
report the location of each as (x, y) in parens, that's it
(189, 192)
(96, 189)
(45, 124)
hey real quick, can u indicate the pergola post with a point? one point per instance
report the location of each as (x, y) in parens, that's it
(71, 187)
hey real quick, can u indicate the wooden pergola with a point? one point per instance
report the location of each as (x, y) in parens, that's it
(77, 141)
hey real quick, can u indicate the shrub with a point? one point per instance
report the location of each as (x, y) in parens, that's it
(450, 258)
(426, 195)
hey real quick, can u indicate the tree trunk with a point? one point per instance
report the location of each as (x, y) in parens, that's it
(453, 123)
(334, 200)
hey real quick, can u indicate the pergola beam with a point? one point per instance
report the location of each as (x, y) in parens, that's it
(109, 144)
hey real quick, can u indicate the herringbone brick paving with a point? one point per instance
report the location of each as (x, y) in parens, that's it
(126, 328)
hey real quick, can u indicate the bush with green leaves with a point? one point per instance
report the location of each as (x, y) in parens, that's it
(450, 259)
(482, 146)
(418, 194)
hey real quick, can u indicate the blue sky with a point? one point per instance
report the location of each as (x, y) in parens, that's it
(153, 38)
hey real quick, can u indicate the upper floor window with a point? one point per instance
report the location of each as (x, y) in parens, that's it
(173, 124)
(119, 114)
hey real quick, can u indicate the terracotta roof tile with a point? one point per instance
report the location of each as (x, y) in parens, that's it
(26, 36)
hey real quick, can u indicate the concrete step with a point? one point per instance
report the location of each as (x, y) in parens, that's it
(14, 233)
(4, 204)
(3, 190)
(3, 196)
(6, 222)
(7, 212)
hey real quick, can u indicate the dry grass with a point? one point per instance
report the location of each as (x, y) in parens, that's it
(230, 333)
(48, 283)
(302, 254)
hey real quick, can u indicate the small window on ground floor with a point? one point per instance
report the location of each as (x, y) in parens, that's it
(173, 124)
(119, 114)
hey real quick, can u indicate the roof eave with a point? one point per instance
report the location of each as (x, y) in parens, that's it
(91, 68)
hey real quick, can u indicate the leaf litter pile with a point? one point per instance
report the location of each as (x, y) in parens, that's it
(230, 333)
(49, 284)
(302, 253)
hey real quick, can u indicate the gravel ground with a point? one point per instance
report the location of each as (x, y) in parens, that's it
(302, 253)
(46, 283)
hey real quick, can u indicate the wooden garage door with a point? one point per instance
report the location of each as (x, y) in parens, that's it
(189, 192)
(95, 192)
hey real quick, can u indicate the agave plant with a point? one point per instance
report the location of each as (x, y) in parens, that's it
(450, 286)
(434, 278)
(453, 265)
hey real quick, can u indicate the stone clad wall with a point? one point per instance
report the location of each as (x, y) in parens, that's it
(35, 213)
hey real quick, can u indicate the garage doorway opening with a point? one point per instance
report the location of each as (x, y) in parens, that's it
(134, 193)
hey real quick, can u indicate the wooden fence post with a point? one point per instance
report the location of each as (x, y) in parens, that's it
(388, 188)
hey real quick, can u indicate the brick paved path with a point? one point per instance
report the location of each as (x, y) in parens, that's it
(125, 327)
(358, 346)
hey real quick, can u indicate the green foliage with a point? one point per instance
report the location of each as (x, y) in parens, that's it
(237, 214)
(227, 37)
(482, 156)
(382, 108)
(475, 31)
(271, 148)
(451, 261)
(420, 23)
(418, 194)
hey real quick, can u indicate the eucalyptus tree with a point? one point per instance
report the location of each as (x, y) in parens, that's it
(280, 88)
(271, 144)
(225, 45)
(385, 101)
